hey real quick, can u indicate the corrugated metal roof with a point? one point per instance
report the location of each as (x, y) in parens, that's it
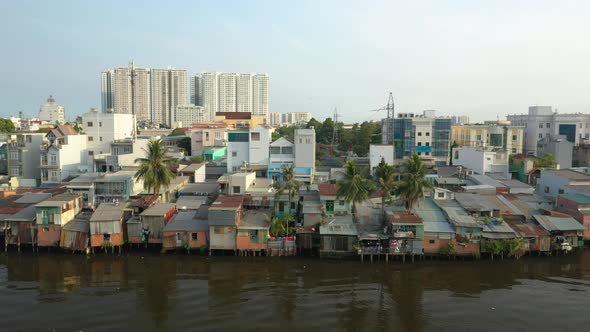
(108, 212)
(58, 200)
(255, 219)
(188, 221)
(578, 198)
(475, 202)
(227, 203)
(438, 227)
(159, 209)
(340, 225)
(77, 226)
(527, 229)
(33, 198)
(456, 214)
(192, 168)
(190, 202)
(570, 174)
(558, 223)
(495, 226)
(27, 214)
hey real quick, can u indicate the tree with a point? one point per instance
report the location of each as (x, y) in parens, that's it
(177, 132)
(386, 182)
(354, 186)
(7, 126)
(154, 169)
(547, 161)
(289, 184)
(413, 181)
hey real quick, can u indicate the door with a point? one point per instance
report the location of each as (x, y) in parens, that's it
(178, 240)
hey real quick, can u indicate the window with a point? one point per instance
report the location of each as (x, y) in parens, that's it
(547, 135)
(479, 137)
(106, 237)
(275, 150)
(427, 134)
(540, 125)
(234, 153)
(206, 136)
(341, 202)
(281, 206)
(254, 236)
(540, 135)
(427, 153)
(90, 139)
(513, 150)
(287, 150)
(100, 138)
(91, 153)
(89, 124)
(419, 153)
(440, 195)
(255, 136)
(330, 206)
(292, 205)
(194, 236)
(547, 125)
(340, 243)
(456, 154)
(546, 189)
(218, 230)
(419, 143)
(100, 124)
(419, 134)
(431, 241)
(560, 191)
(514, 137)
(427, 143)
(236, 189)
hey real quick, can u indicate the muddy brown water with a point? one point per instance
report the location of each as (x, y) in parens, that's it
(60, 292)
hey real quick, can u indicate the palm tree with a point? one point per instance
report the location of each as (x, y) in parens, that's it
(354, 186)
(289, 184)
(386, 181)
(154, 169)
(413, 181)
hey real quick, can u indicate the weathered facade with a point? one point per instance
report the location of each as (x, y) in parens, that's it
(187, 230)
(107, 225)
(224, 217)
(54, 213)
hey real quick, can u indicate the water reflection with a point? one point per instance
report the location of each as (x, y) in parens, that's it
(177, 292)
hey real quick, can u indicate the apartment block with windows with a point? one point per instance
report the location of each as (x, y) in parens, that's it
(496, 134)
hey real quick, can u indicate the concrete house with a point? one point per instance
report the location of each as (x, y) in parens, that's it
(225, 215)
(332, 204)
(252, 236)
(187, 230)
(556, 182)
(150, 226)
(64, 154)
(107, 225)
(577, 206)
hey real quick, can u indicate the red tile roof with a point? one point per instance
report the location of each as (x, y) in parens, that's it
(227, 202)
(327, 189)
(403, 217)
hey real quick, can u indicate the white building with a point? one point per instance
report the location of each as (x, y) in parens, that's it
(296, 118)
(102, 129)
(247, 147)
(127, 90)
(23, 159)
(274, 119)
(187, 115)
(238, 183)
(64, 155)
(168, 90)
(282, 151)
(231, 92)
(97, 188)
(498, 134)
(556, 182)
(378, 152)
(482, 161)
(542, 121)
(52, 112)
(305, 155)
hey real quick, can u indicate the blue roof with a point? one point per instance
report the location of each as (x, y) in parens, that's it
(434, 219)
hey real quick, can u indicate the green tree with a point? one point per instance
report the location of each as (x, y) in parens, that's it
(177, 132)
(386, 181)
(288, 184)
(547, 161)
(7, 126)
(154, 169)
(354, 186)
(413, 181)
(326, 132)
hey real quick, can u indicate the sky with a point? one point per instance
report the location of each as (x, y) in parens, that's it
(483, 59)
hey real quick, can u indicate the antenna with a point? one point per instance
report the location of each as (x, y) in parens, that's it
(335, 131)
(390, 106)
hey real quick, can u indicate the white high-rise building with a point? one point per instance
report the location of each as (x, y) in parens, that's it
(102, 129)
(228, 96)
(543, 122)
(260, 93)
(274, 119)
(168, 87)
(127, 91)
(52, 112)
(231, 92)
(187, 115)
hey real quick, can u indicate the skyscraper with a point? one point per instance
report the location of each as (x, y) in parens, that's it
(231, 92)
(168, 88)
(126, 90)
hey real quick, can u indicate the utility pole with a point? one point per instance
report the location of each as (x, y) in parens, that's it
(335, 131)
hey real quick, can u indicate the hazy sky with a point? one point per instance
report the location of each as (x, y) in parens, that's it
(476, 58)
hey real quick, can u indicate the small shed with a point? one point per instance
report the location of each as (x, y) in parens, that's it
(566, 227)
(106, 225)
(54, 213)
(75, 235)
(406, 231)
(467, 229)
(187, 230)
(153, 220)
(536, 238)
(224, 217)
(438, 233)
(253, 229)
(338, 237)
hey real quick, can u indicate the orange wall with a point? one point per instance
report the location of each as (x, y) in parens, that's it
(48, 239)
(434, 248)
(96, 240)
(243, 243)
(201, 239)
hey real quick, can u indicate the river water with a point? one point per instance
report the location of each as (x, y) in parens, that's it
(59, 292)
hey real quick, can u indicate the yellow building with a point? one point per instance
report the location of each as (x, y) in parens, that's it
(239, 119)
(498, 134)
